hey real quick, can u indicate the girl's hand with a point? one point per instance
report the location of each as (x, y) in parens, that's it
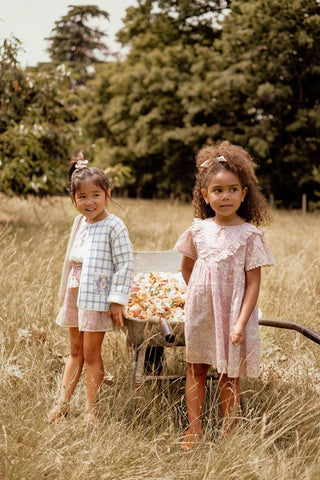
(237, 335)
(249, 302)
(117, 313)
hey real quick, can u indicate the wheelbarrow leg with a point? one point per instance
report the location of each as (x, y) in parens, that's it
(153, 364)
(138, 368)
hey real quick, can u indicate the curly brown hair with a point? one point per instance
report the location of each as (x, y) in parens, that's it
(254, 208)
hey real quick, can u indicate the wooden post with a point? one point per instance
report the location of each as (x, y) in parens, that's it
(272, 201)
(304, 203)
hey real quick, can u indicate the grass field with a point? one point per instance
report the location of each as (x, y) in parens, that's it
(278, 436)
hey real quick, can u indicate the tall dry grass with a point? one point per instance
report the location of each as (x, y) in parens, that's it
(279, 432)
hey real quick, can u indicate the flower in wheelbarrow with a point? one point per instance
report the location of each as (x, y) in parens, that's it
(178, 301)
(134, 310)
(158, 294)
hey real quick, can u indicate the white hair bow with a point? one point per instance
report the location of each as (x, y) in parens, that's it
(207, 162)
(81, 164)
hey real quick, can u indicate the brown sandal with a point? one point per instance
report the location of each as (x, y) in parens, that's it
(91, 417)
(58, 412)
(190, 439)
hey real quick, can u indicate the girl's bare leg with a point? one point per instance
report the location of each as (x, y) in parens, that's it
(230, 401)
(71, 375)
(195, 394)
(74, 365)
(92, 342)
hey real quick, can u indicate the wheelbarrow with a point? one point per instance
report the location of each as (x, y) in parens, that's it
(148, 339)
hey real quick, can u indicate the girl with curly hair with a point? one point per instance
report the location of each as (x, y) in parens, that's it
(223, 252)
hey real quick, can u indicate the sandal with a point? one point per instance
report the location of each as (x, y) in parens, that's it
(58, 412)
(91, 418)
(190, 439)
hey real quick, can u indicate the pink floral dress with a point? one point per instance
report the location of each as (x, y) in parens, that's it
(215, 292)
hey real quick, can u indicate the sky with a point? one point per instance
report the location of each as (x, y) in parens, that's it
(31, 21)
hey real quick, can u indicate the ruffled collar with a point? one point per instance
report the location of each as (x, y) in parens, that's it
(221, 241)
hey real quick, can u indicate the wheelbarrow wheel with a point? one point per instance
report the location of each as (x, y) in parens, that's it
(153, 364)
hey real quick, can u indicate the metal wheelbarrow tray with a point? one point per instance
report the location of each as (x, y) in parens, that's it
(156, 332)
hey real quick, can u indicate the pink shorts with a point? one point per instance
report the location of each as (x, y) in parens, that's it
(85, 320)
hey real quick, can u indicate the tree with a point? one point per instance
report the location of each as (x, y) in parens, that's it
(144, 106)
(254, 82)
(153, 24)
(76, 42)
(12, 79)
(151, 117)
(266, 90)
(37, 126)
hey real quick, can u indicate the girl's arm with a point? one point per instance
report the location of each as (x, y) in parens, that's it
(187, 267)
(122, 278)
(249, 302)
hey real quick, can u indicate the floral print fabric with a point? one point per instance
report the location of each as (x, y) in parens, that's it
(215, 292)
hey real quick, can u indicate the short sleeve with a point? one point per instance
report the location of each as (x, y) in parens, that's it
(258, 254)
(185, 245)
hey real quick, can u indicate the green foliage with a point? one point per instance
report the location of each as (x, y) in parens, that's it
(37, 127)
(186, 80)
(11, 81)
(120, 176)
(154, 24)
(267, 90)
(142, 111)
(74, 40)
(258, 87)
(78, 43)
(146, 106)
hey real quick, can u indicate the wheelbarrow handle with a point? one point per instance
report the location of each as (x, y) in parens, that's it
(166, 331)
(307, 332)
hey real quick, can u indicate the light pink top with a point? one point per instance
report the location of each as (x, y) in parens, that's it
(215, 292)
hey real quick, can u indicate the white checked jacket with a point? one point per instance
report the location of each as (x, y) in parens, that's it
(107, 269)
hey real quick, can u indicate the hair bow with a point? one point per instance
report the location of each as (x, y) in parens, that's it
(81, 164)
(207, 162)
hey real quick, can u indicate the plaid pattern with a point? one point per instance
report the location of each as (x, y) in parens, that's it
(107, 270)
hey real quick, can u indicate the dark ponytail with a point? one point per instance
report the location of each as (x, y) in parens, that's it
(72, 163)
